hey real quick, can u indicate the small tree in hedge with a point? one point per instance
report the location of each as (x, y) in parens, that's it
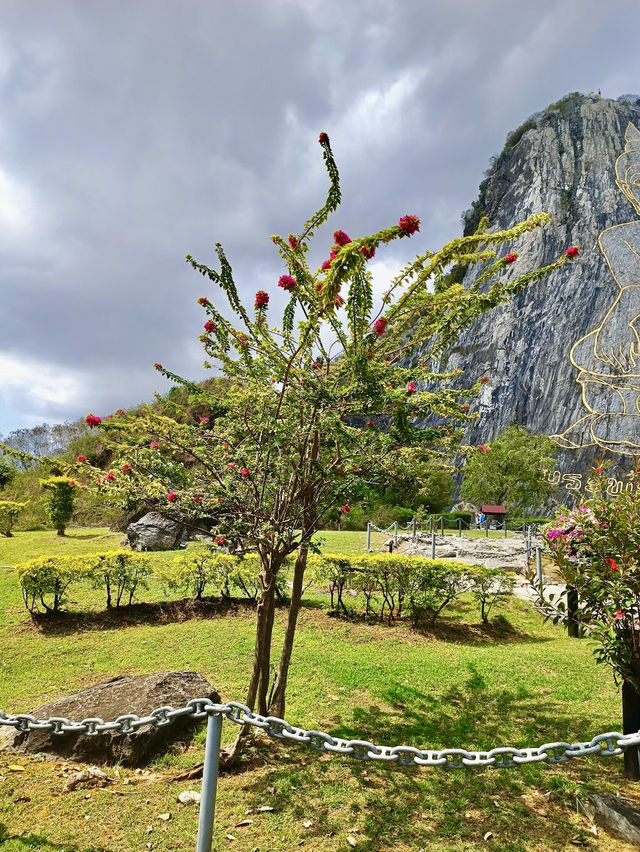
(9, 513)
(60, 496)
(317, 408)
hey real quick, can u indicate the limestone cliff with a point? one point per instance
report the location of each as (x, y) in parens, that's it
(563, 161)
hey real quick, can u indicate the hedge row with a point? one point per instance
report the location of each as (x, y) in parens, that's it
(121, 574)
(392, 583)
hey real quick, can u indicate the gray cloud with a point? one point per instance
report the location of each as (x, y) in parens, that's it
(135, 132)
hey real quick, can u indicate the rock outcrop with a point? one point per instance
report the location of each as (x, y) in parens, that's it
(156, 532)
(138, 694)
(563, 161)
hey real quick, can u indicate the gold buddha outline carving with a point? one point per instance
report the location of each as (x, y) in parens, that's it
(608, 357)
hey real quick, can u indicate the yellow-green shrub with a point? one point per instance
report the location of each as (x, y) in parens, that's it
(121, 572)
(49, 578)
(9, 512)
(196, 570)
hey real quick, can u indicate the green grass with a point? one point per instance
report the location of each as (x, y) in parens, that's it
(522, 683)
(28, 545)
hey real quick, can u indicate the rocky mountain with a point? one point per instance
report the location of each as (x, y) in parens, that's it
(563, 358)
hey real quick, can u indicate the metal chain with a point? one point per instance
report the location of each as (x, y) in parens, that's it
(603, 745)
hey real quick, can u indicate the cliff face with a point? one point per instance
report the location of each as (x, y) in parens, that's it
(563, 161)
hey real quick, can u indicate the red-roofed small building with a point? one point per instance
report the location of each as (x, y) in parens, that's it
(494, 514)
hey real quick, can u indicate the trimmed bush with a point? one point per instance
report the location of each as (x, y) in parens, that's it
(121, 572)
(9, 512)
(44, 581)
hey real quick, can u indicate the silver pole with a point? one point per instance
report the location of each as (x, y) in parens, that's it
(433, 545)
(395, 533)
(368, 536)
(414, 530)
(539, 567)
(209, 783)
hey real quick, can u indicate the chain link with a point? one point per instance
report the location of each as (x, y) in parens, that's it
(602, 745)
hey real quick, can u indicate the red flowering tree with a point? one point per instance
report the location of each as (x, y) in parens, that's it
(312, 408)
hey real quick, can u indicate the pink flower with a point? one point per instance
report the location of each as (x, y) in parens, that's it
(126, 468)
(154, 445)
(91, 420)
(121, 412)
(409, 225)
(210, 326)
(511, 257)
(111, 476)
(109, 416)
(572, 251)
(232, 465)
(262, 299)
(619, 614)
(340, 238)
(484, 448)
(287, 282)
(346, 509)
(293, 242)
(172, 496)
(411, 387)
(204, 419)
(245, 472)
(380, 326)
(367, 251)
(326, 264)
(82, 458)
(338, 301)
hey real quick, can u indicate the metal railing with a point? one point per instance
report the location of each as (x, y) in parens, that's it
(501, 757)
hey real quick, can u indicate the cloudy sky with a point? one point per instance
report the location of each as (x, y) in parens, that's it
(133, 132)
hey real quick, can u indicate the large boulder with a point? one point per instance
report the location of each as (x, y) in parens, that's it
(139, 694)
(157, 532)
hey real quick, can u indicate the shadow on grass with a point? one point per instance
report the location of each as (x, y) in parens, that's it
(17, 842)
(163, 612)
(525, 808)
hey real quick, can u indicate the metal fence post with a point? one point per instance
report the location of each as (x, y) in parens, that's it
(441, 525)
(395, 533)
(433, 545)
(505, 528)
(209, 782)
(430, 524)
(368, 536)
(414, 529)
(539, 567)
(459, 527)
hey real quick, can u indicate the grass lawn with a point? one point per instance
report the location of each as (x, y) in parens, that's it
(521, 683)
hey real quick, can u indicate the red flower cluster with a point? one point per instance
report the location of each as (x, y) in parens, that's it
(598, 470)
(572, 251)
(203, 301)
(287, 282)
(619, 614)
(338, 301)
(409, 225)
(323, 139)
(511, 257)
(245, 472)
(197, 499)
(157, 366)
(172, 496)
(126, 468)
(367, 251)
(380, 326)
(484, 448)
(613, 565)
(210, 326)
(111, 476)
(484, 380)
(293, 242)
(262, 299)
(71, 483)
(369, 424)
(204, 419)
(92, 420)
(154, 445)
(326, 264)
(411, 387)
(341, 239)
(220, 540)
(346, 509)
(82, 458)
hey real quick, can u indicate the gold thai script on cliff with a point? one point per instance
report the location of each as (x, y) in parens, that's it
(577, 482)
(608, 357)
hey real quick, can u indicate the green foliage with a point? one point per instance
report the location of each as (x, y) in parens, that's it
(9, 513)
(389, 581)
(510, 473)
(596, 549)
(7, 471)
(120, 572)
(194, 571)
(61, 493)
(44, 581)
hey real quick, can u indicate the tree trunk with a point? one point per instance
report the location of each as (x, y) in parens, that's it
(277, 705)
(61, 530)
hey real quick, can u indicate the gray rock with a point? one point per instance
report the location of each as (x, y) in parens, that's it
(615, 816)
(564, 164)
(139, 694)
(157, 532)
